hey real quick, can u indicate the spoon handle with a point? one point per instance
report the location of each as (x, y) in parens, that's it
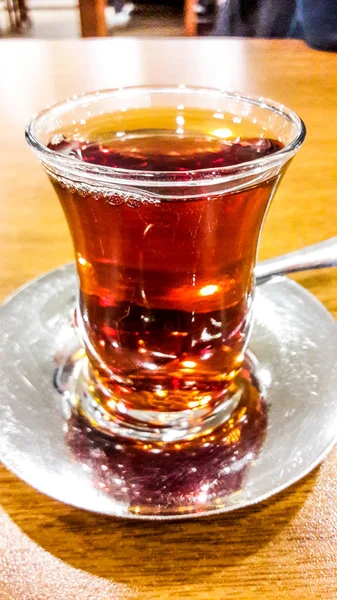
(318, 256)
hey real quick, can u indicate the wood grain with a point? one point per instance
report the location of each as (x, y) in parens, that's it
(282, 549)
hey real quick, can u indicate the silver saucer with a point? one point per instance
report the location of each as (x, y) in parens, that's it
(289, 429)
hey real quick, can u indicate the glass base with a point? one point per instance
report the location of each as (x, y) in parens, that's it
(143, 425)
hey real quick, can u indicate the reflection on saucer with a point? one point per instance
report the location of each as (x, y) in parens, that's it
(170, 479)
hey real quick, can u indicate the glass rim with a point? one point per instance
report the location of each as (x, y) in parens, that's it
(163, 178)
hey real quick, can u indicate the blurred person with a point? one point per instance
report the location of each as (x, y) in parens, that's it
(314, 21)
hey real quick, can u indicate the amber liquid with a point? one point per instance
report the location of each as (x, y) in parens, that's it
(165, 288)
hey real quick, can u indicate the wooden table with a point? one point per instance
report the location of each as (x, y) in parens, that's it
(283, 549)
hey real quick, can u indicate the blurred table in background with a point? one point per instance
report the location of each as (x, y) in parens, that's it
(282, 549)
(17, 14)
(92, 16)
(190, 17)
(93, 21)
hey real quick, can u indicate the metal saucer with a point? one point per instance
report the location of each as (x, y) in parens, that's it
(283, 429)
